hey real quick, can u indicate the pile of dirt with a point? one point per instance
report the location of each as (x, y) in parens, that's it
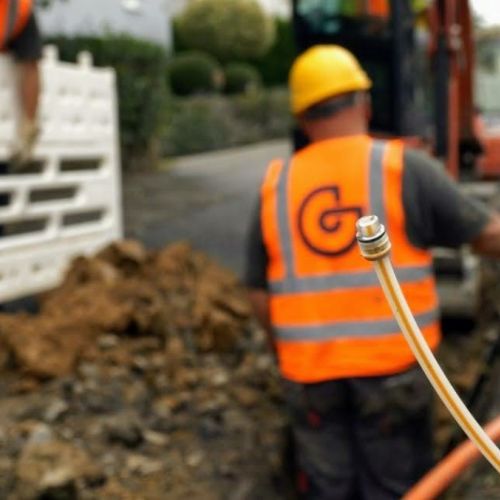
(127, 291)
(141, 377)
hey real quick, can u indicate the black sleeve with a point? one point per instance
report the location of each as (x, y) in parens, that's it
(437, 212)
(256, 255)
(27, 46)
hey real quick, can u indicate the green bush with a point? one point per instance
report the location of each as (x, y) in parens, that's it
(268, 110)
(142, 92)
(241, 78)
(228, 29)
(205, 123)
(275, 64)
(193, 73)
(197, 124)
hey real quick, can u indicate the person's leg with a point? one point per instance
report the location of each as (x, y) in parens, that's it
(29, 91)
(26, 48)
(393, 432)
(323, 440)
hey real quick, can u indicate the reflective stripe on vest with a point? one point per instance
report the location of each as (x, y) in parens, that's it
(328, 313)
(339, 280)
(357, 329)
(14, 15)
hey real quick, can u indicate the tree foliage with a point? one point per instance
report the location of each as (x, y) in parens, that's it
(240, 78)
(275, 65)
(227, 29)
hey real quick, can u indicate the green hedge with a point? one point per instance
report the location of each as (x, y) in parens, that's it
(177, 42)
(193, 73)
(205, 123)
(275, 65)
(142, 90)
(241, 78)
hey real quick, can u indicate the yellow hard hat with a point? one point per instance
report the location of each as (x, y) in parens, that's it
(324, 71)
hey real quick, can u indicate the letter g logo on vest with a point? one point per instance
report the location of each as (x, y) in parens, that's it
(326, 227)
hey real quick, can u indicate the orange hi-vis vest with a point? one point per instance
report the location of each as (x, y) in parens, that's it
(329, 315)
(14, 15)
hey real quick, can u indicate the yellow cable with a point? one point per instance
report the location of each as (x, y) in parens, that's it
(375, 246)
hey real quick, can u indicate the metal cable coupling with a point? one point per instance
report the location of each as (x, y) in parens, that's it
(372, 238)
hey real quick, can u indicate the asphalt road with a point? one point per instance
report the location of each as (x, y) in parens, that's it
(206, 199)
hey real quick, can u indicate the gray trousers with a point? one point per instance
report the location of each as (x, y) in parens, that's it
(361, 438)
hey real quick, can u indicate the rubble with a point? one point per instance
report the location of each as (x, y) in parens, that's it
(52, 470)
(125, 290)
(142, 377)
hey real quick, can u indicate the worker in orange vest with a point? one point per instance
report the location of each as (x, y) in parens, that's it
(359, 405)
(20, 37)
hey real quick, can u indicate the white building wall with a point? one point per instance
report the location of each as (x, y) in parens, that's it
(145, 19)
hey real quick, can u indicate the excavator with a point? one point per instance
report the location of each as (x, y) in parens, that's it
(420, 55)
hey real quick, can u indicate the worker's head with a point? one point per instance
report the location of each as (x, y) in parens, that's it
(329, 92)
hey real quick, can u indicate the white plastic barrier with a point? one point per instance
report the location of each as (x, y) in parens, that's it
(68, 202)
